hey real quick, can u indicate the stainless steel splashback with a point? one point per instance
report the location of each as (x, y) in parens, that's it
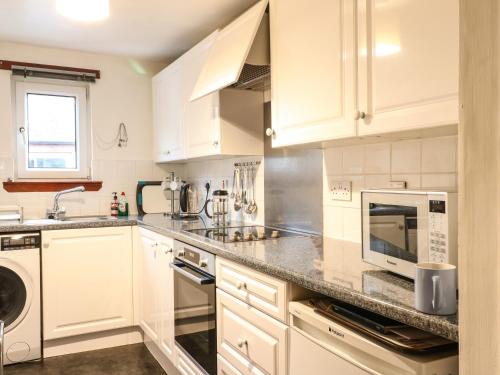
(293, 189)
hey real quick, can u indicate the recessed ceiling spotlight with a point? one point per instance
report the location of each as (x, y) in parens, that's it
(84, 10)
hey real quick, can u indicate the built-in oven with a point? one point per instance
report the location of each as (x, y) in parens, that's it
(194, 305)
(401, 228)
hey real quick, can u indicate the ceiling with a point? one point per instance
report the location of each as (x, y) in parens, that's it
(151, 29)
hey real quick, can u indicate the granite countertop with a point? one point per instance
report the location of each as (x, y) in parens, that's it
(79, 222)
(328, 266)
(325, 265)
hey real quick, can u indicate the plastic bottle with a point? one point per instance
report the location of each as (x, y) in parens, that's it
(114, 205)
(122, 205)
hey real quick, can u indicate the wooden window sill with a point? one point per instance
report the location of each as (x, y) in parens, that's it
(49, 186)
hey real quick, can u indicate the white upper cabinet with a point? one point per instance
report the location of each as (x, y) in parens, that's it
(408, 64)
(313, 70)
(167, 114)
(403, 74)
(229, 52)
(226, 122)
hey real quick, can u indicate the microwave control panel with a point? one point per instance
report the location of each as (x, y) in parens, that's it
(438, 229)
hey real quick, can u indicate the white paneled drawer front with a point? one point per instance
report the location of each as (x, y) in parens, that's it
(225, 368)
(258, 290)
(252, 342)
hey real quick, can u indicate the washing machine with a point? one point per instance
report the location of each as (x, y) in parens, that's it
(20, 307)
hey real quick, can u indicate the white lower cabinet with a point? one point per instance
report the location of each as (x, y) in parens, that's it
(156, 293)
(87, 281)
(251, 341)
(225, 368)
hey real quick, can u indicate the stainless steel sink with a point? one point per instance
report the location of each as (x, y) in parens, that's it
(87, 218)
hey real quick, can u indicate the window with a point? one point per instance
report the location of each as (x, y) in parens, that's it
(51, 131)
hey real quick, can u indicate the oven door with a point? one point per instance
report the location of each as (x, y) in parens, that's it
(194, 304)
(395, 230)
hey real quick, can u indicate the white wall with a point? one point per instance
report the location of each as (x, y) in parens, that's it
(123, 94)
(422, 163)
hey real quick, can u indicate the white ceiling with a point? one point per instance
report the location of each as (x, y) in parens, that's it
(153, 29)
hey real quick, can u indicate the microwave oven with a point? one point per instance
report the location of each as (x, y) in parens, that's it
(401, 228)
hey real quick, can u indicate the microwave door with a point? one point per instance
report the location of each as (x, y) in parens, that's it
(393, 231)
(389, 230)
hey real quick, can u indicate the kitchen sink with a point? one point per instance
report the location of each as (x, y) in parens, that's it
(87, 218)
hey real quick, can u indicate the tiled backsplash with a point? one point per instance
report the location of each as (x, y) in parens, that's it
(122, 175)
(217, 171)
(117, 175)
(422, 163)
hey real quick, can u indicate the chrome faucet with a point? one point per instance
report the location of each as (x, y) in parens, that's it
(56, 212)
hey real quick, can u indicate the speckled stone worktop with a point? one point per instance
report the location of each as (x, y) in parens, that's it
(328, 266)
(77, 223)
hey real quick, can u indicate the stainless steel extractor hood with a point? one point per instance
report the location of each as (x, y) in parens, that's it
(239, 56)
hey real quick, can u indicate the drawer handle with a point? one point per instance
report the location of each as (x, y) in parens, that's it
(242, 342)
(241, 285)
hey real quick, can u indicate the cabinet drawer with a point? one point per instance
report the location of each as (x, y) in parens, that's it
(258, 290)
(225, 368)
(251, 341)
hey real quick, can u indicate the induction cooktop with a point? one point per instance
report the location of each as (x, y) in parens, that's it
(244, 233)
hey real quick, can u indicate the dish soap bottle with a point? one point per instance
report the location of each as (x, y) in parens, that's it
(114, 205)
(122, 205)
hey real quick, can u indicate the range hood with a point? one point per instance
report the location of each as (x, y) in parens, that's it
(239, 56)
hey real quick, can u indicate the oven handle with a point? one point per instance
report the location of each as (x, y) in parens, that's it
(203, 280)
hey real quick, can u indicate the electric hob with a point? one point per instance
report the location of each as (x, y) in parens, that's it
(244, 233)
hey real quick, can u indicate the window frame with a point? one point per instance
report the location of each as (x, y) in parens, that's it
(80, 92)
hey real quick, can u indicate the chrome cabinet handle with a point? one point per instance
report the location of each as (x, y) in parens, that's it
(241, 285)
(215, 143)
(168, 251)
(242, 342)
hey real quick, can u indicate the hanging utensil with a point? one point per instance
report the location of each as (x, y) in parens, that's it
(245, 186)
(234, 181)
(237, 199)
(252, 207)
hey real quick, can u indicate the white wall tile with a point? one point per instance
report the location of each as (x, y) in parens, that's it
(439, 155)
(377, 158)
(352, 160)
(446, 180)
(333, 161)
(377, 181)
(427, 163)
(405, 156)
(333, 222)
(352, 224)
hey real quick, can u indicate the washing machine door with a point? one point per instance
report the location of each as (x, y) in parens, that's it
(15, 294)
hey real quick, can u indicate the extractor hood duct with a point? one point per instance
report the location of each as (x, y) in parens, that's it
(239, 56)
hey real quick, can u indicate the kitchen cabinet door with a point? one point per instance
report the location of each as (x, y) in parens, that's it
(201, 117)
(408, 64)
(157, 291)
(168, 114)
(149, 295)
(165, 284)
(313, 70)
(87, 281)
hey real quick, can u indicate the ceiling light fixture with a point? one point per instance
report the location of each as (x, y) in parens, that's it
(84, 10)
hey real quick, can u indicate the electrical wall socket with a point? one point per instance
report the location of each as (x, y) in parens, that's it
(341, 190)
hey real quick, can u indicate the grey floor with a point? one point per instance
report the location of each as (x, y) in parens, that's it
(127, 360)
